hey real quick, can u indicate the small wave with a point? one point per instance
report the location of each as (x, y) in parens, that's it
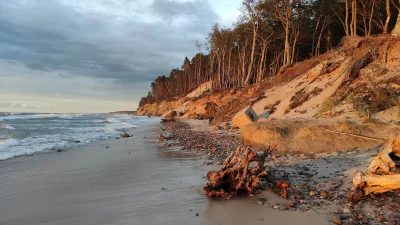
(5, 126)
(4, 144)
(39, 116)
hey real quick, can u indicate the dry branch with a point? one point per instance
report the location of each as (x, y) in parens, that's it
(356, 136)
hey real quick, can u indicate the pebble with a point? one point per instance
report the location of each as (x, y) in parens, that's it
(337, 221)
(346, 210)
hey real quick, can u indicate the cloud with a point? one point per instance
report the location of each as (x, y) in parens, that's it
(18, 106)
(96, 50)
(100, 39)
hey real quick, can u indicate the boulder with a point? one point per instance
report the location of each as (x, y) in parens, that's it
(245, 117)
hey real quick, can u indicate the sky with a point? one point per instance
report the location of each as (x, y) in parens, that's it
(96, 55)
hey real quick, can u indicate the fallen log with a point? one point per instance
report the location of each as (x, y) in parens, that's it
(382, 174)
(241, 174)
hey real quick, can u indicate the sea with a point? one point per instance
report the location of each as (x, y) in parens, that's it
(24, 134)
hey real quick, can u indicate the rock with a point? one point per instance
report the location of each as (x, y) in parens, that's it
(323, 195)
(107, 146)
(276, 207)
(289, 205)
(219, 128)
(245, 117)
(346, 210)
(125, 135)
(214, 150)
(350, 222)
(337, 221)
(117, 138)
(162, 137)
(312, 193)
(77, 141)
(61, 150)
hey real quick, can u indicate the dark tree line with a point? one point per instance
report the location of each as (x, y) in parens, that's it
(271, 34)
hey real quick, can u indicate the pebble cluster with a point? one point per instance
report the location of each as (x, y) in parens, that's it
(216, 145)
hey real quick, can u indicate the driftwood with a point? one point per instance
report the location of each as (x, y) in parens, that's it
(382, 174)
(237, 177)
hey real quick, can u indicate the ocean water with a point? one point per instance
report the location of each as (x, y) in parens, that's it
(28, 133)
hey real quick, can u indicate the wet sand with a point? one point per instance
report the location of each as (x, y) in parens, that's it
(134, 181)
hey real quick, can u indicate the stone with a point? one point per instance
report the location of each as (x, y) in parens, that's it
(365, 221)
(245, 117)
(337, 221)
(323, 195)
(125, 135)
(346, 210)
(312, 193)
(289, 205)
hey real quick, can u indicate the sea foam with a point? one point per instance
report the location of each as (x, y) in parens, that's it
(5, 126)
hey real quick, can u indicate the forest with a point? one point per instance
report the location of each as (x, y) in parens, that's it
(271, 35)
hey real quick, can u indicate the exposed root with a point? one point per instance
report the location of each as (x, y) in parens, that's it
(241, 174)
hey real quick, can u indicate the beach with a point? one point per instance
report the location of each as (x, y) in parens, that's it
(132, 181)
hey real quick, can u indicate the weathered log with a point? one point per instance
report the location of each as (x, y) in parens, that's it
(241, 174)
(381, 175)
(371, 183)
(383, 163)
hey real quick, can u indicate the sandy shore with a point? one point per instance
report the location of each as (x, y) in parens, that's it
(135, 181)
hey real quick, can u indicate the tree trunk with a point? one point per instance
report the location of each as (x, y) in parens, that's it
(294, 44)
(287, 46)
(370, 18)
(354, 18)
(347, 18)
(253, 48)
(261, 66)
(396, 30)
(388, 15)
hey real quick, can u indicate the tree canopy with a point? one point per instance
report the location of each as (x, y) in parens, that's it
(270, 34)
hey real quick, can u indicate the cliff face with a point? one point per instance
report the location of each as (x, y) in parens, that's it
(360, 78)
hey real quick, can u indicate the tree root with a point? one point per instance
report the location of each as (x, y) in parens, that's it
(237, 177)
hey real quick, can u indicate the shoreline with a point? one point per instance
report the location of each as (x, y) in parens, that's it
(139, 177)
